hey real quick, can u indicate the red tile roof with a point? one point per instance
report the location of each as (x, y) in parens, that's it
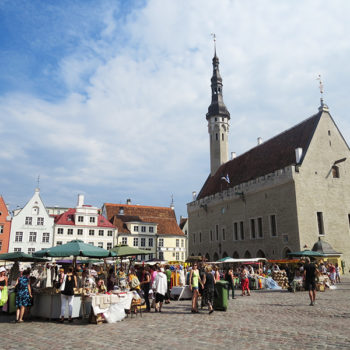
(272, 155)
(164, 217)
(68, 218)
(183, 222)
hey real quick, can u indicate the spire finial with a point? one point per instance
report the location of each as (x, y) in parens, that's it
(323, 105)
(214, 39)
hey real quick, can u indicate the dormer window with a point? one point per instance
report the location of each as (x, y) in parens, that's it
(35, 210)
(136, 228)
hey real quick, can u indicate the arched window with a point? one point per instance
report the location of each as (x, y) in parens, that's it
(260, 254)
(35, 210)
(286, 251)
(224, 255)
(247, 255)
(235, 255)
(207, 257)
(216, 256)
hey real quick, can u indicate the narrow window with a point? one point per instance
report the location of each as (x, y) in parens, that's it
(222, 137)
(349, 219)
(211, 235)
(223, 234)
(260, 228)
(194, 238)
(216, 137)
(252, 228)
(235, 231)
(217, 232)
(320, 223)
(335, 172)
(241, 226)
(273, 226)
(200, 236)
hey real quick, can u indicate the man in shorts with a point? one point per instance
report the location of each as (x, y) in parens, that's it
(310, 279)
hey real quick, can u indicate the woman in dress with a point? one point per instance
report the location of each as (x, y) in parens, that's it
(209, 285)
(68, 283)
(245, 281)
(3, 284)
(23, 295)
(194, 284)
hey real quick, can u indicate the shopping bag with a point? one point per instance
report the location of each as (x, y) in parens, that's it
(4, 296)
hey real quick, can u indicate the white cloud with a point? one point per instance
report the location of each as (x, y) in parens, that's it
(137, 93)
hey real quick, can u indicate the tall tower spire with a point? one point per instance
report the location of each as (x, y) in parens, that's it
(218, 119)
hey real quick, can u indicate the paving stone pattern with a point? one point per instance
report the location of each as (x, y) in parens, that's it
(265, 320)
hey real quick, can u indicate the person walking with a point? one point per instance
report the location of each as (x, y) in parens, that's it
(160, 286)
(194, 284)
(208, 291)
(68, 283)
(310, 273)
(245, 281)
(230, 279)
(23, 295)
(337, 273)
(145, 286)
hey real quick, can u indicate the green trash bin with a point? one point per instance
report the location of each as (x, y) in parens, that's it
(221, 295)
(12, 303)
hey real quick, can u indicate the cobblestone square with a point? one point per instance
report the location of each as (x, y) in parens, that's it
(265, 320)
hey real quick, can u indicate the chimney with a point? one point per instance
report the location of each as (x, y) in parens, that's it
(233, 155)
(194, 195)
(128, 201)
(80, 200)
(259, 140)
(298, 154)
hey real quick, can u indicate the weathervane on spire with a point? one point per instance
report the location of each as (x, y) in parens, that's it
(38, 181)
(323, 105)
(214, 38)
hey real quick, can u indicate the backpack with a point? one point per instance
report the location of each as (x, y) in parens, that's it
(134, 282)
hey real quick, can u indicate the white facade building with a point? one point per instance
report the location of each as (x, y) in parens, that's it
(32, 227)
(84, 222)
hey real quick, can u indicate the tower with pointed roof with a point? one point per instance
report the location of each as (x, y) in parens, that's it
(218, 121)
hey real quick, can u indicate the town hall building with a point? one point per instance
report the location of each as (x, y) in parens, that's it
(286, 194)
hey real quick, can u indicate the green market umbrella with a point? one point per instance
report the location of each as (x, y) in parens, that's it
(224, 259)
(305, 253)
(124, 250)
(20, 256)
(74, 248)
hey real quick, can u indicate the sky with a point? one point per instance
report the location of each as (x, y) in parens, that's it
(108, 98)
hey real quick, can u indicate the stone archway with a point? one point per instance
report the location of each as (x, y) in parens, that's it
(235, 255)
(286, 250)
(224, 255)
(247, 255)
(216, 256)
(260, 254)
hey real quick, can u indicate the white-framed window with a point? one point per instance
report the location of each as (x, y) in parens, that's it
(161, 242)
(100, 244)
(35, 210)
(150, 242)
(161, 255)
(124, 240)
(60, 231)
(80, 232)
(40, 221)
(109, 245)
(177, 243)
(100, 232)
(150, 256)
(46, 237)
(136, 228)
(143, 228)
(19, 237)
(177, 257)
(31, 250)
(70, 231)
(136, 242)
(80, 218)
(59, 243)
(32, 236)
(182, 256)
(110, 233)
(92, 219)
(151, 229)
(91, 232)
(182, 243)
(28, 220)
(1, 229)
(17, 249)
(143, 242)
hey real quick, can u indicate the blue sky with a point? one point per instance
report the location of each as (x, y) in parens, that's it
(108, 98)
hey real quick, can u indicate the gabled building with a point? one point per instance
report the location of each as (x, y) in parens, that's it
(149, 228)
(5, 226)
(32, 227)
(84, 222)
(282, 195)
